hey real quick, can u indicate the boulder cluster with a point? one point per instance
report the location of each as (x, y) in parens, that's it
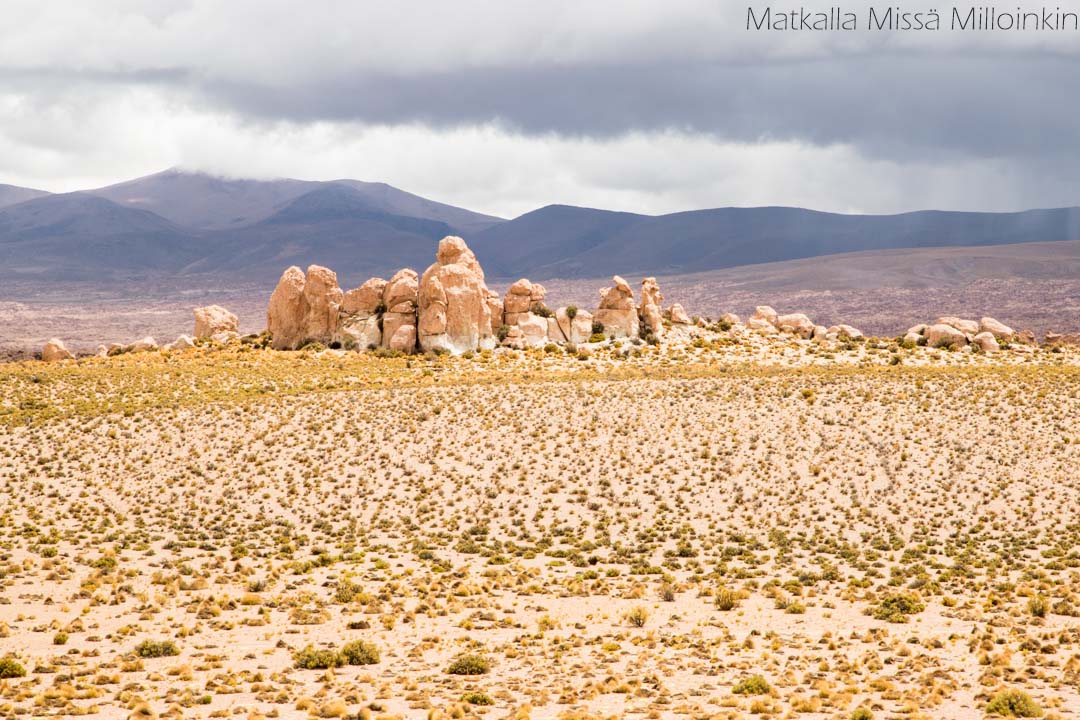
(986, 335)
(767, 321)
(451, 309)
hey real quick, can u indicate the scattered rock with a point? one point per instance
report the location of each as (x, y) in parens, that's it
(999, 330)
(730, 318)
(55, 350)
(183, 342)
(846, 332)
(678, 315)
(304, 308)
(403, 339)
(617, 312)
(652, 307)
(795, 324)
(986, 342)
(766, 314)
(943, 335)
(968, 327)
(212, 320)
(147, 344)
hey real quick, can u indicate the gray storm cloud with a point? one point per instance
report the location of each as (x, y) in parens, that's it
(544, 74)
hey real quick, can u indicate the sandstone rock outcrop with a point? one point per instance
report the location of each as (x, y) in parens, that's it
(999, 330)
(401, 298)
(986, 342)
(617, 312)
(214, 320)
(652, 307)
(564, 328)
(968, 327)
(360, 316)
(678, 315)
(795, 324)
(365, 300)
(941, 335)
(454, 314)
(183, 342)
(146, 344)
(304, 308)
(55, 350)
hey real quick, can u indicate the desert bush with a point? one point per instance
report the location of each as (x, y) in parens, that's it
(11, 668)
(667, 592)
(571, 311)
(897, 608)
(477, 698)
(156, 649)
(637, 616)
(862, 713)
(312, 658)
(597, 327)
(597, 337)
(1038, 606)
(726, 599)
(470, 664)
(360, 652)
(753, 685)
(1013, 703)
(503, 331)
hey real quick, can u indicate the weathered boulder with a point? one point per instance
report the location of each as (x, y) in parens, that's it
(55, 350)
(287, 312)
(400, 295)
(652, 307)
(365, 300)
(392, 322)
(304, 308)
(519, 297)
(761, 325)
(403, 339)
(917, 329)
(533, 330)
(913, 338)
(968, 327)
(617, 312)
(943, 335)
(1053, 338)
(573, 330)
(998, 329)
(454, 314)
(359, 332)
(765, 313)
(820, 333)
(183, 342)
(495, 310)
(845, 332)
(730, 319)
(146, 344)
(678, 315)
(795, 324)
(213, 319)
(986, 342)
(539, 292)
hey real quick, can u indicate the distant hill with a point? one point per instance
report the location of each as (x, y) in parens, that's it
(577, 242)
(177, 224)
(12, 195)
(208, 202)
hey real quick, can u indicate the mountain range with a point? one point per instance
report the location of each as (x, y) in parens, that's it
(179, 224)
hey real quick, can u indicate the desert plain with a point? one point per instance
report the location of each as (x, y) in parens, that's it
(737, 527)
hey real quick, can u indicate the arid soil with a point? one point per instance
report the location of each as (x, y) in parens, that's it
(737, 528)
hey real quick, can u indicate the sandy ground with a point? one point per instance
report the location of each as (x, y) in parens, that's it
(632, 533)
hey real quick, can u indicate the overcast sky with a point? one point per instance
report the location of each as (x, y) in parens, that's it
(503, 106)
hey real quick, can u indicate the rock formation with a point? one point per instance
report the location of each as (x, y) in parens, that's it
(678, 315)
(304, 308)
(401, 298)
(214, 320)
(617, 312)
(360, 318)
(652, 307)
(454, 312)
(55, 350)
(942, 335)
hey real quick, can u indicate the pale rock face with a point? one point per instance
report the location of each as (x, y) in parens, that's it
(918, 329)
(539, 292)
(55, 350)
(533, 330)
(324, 298)
(145, 345)
(795, 324)
(678, 315)
(761, 325)
(846, 332)
(214, 319)
(820, 333)
(364, 300)
(765, 313)
(400, 295)
(651, 307)
(183, 342)
(943, 335)
(102, 351)
(519, 297)
(403, 339)
(731, 318)
(986, 342)
(619, 297)
(287, 314)
(515, 338)
(304, 307)
(1053, 338)
(392, 321)
(224, 338)
(364, 332)
(495, 310)
(577, 330)
(454, 311)
(999, 330)
(968, 327)
(913, 338)
(619, 323)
